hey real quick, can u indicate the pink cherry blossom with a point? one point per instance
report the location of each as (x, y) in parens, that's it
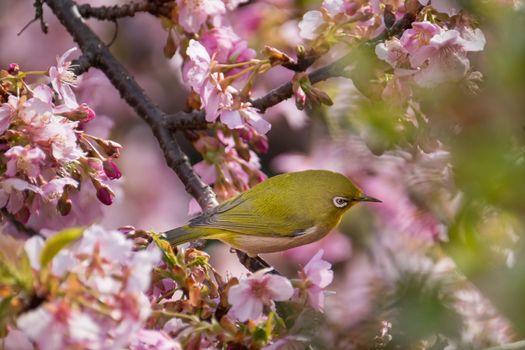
(62, 78)
(24, 160)
(16, 340)
(5, 117)
(416, 41)
(249, 296)
(392, 52)
(308, 26)
(248, 115)
(55, 326)
(334, 7)
(12, 193)
(193, 14)
(318, 275)
(197, 69)
(226, 46)
(447, 55)
(63, 262)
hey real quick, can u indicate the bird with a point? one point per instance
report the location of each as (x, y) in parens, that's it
(283, 212)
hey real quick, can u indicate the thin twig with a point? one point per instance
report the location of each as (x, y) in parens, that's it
(39, 16)
(18, 225)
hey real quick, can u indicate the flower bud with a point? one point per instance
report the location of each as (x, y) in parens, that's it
(228, 325)
(104, 193)
(127, 230)
(83, 114)
(300, 98)
(111, 148)
(206, 144)
(260, 143)
(322, 96)
(64, 205)
(276, 56)
(111, 169)
(245, 133)
(170, 48)
(13, 68)
(23, 215)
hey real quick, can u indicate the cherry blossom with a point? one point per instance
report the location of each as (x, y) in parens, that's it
(193, 14)
(251, 294)
(56, 325)
(318, 275)
(62, 78)
(25, 160)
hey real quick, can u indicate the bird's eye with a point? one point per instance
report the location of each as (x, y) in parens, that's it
(340, 202)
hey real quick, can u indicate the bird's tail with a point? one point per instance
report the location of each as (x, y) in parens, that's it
(182, 234)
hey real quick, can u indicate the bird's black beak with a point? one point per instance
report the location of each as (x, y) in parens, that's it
(365, 198)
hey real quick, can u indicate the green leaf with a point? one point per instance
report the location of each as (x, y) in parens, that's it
(57, 242)
(259, 334)
(5, 307)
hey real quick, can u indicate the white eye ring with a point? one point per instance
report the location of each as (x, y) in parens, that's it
(340, 202)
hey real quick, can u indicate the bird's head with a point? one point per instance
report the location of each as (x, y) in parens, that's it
(339, 192)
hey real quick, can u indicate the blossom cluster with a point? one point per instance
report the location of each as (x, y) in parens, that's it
(97, 289)
(49, 164)
(91, 293)
(433, 51)
(215, 61)
(228, 162)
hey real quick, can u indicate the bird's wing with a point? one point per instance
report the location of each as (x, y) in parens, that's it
(238, 215)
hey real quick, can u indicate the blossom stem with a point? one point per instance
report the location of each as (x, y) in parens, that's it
(22, 75)
(227, 81)
(229, 66)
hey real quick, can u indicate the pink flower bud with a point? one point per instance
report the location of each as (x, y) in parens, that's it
(105, 195)
(300, 98)
(82, 114)
(23, 215)
(111, 148)
(13, 68)
(111, 169)
(128, 229)
(206, 144)
(260, 143)
(245, 133)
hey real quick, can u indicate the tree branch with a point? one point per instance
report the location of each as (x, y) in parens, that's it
(186, 120)
(112, 13)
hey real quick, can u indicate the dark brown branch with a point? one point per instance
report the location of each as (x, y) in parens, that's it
(112, 13)
(186, 120)
(17, 224)
(335, 69)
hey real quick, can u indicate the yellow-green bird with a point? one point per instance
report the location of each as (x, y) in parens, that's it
(280, 213)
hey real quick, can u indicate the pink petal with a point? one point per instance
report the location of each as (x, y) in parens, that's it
(279, 288)
(232, 119)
